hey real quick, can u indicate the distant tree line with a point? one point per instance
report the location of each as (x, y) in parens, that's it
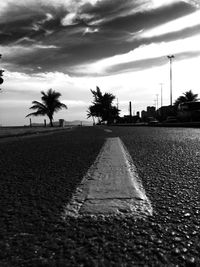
(102, 107)
(188, 111)
(187, 107)
(188, 96)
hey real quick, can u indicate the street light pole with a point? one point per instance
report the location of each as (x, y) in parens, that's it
(156, 101)
(161, 96)
(170, 60)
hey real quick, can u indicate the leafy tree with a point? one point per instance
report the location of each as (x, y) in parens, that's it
(188, 96)
(49, 105)
(102, 107)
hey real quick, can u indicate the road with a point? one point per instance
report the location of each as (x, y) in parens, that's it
(40, 174)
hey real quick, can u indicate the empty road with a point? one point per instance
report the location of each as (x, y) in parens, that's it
(39, 178)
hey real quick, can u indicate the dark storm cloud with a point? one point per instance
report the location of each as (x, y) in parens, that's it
(177, 35)
(148, 19)
(23, 21)
(108, 10)
(148, 63)
(58, 46)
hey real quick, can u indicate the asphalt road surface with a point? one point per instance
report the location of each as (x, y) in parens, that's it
(39, 175)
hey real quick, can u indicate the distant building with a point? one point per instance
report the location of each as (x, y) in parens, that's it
(150, 112)
(129, 119)
(165, 111)
(143, 114)
(189, 111)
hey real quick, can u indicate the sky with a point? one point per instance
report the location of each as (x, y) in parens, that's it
(72, 46)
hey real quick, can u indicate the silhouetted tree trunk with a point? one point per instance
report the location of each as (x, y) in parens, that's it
(51, 122)
(93, 120)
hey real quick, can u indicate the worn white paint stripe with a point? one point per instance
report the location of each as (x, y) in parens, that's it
(111, 186)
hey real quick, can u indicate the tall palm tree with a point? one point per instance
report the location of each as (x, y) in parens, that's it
(49, 105)
(188, 96)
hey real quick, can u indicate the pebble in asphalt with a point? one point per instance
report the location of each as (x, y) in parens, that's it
(39, 176)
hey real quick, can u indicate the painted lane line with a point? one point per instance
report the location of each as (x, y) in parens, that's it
(111, 186)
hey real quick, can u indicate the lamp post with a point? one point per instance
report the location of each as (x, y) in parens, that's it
(161, 96)
(156, 101)
(170, 57)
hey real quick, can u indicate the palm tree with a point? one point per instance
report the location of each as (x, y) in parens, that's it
(102, 107)
(92, 112)
(186, 97)
(49, 105)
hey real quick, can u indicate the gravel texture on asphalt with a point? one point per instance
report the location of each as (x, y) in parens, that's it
(40, 174)
(38, 177)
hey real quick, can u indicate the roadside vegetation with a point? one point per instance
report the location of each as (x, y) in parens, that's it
(49, 105)
(188, 96)
(102, 107)
(186, 108)
(103, 111)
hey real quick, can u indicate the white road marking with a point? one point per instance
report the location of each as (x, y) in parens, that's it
(111, 186)
(108, 131)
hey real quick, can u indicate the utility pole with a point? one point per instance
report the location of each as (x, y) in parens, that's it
(170, 57)
(130, 109)
(161, 95)
(156, 101)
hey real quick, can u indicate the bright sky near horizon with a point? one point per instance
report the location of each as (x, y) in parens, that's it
(73, 46)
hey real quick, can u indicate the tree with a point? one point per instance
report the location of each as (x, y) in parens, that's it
(102, 107)
(188, 96)
(92, 112)
(49, 105)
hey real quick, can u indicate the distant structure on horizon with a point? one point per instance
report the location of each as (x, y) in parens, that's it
(129, 118)
(150, 112)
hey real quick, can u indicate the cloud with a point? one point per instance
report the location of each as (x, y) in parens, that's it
(90, 30)
(75, 45)
(145, 56)
(65, 35)
(25, 41)
(194, 3)
(174, 26)
(69, 19)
